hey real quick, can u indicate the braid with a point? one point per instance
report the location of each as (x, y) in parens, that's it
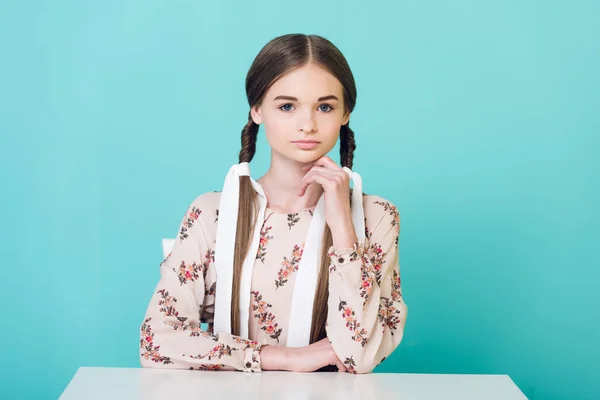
(246, 220)
(249, 135)
(347, 146)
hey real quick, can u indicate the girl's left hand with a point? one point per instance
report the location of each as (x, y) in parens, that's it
(336, 184)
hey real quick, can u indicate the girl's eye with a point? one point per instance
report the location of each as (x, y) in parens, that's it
(326, 105)
(323, 107)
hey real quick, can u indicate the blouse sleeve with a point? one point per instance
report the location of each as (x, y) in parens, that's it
(367, 314)
(171, 334)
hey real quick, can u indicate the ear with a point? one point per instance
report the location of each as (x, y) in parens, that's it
(256, 115)
(346, 118)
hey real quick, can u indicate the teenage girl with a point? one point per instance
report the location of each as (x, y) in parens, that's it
(295, 270)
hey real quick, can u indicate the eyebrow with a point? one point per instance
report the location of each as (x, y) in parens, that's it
(291, 98)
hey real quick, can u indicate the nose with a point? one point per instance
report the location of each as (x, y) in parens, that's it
(307, 123)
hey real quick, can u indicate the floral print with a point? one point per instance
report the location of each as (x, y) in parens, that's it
(194, 330)
(350, 364)
(239, 340)
(392, 210)
(396, 286)
(209, 367)
(370, 270)
(292, 220)
(187, 272)
(218, 351)
(288, 266)
(377, 260)
(264, 241)
(367, 280)
(209, 257)
(360, 334)
(389, 315)
(189, 220)
(167, 304)
(382, 315)
(360, 276)
(265, 318)
(368, 233)
(149, 350)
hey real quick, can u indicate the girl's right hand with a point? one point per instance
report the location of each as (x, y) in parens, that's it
(300, 359)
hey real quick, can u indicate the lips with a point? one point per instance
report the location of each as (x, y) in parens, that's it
(306, 144)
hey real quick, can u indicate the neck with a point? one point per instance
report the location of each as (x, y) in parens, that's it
(281, 184)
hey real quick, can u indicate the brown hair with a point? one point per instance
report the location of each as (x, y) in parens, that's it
(278, 57)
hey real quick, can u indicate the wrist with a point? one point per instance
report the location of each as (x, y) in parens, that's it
(276, 358)
(344, 237)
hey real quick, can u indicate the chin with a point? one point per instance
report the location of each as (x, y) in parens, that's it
(307, 156)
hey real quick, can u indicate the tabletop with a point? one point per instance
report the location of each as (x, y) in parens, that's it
(148, 383)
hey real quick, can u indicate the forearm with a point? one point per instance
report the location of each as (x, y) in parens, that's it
(276, 358)
(344, 236)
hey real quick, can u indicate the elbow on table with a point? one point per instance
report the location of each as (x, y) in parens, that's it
(365, 362)
(359, 363)
(151, 355)
(364, 366)
(146, 362)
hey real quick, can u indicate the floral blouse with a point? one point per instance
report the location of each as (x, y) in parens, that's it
(366, 317)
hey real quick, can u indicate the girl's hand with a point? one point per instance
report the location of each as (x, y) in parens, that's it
(315, 356)
(336, 184)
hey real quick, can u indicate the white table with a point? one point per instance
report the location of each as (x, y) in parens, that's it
(164, 384)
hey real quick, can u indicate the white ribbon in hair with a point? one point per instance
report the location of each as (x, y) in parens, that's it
(308, 269)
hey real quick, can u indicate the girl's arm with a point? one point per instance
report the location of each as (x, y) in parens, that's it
(170, 334)
(300, 359)
(367, 314)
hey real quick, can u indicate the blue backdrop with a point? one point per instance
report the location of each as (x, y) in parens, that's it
(480, 120)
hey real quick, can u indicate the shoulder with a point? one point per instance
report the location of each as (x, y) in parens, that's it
(379, 210)
(207, 200)
(201, 216)
(205, 206)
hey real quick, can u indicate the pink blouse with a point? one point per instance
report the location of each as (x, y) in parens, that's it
(366, 315)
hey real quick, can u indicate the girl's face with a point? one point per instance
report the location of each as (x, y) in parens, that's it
(302, 113)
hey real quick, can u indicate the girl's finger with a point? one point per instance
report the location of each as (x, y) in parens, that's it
(341, 367)
(326, 161)
(325, 181)
(325, 170)
(314, 177)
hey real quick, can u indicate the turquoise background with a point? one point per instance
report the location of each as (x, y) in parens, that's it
(479, 120)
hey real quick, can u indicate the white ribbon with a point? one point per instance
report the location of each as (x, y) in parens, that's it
(308, 269)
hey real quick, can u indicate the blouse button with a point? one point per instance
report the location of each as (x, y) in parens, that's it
(341, 260)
